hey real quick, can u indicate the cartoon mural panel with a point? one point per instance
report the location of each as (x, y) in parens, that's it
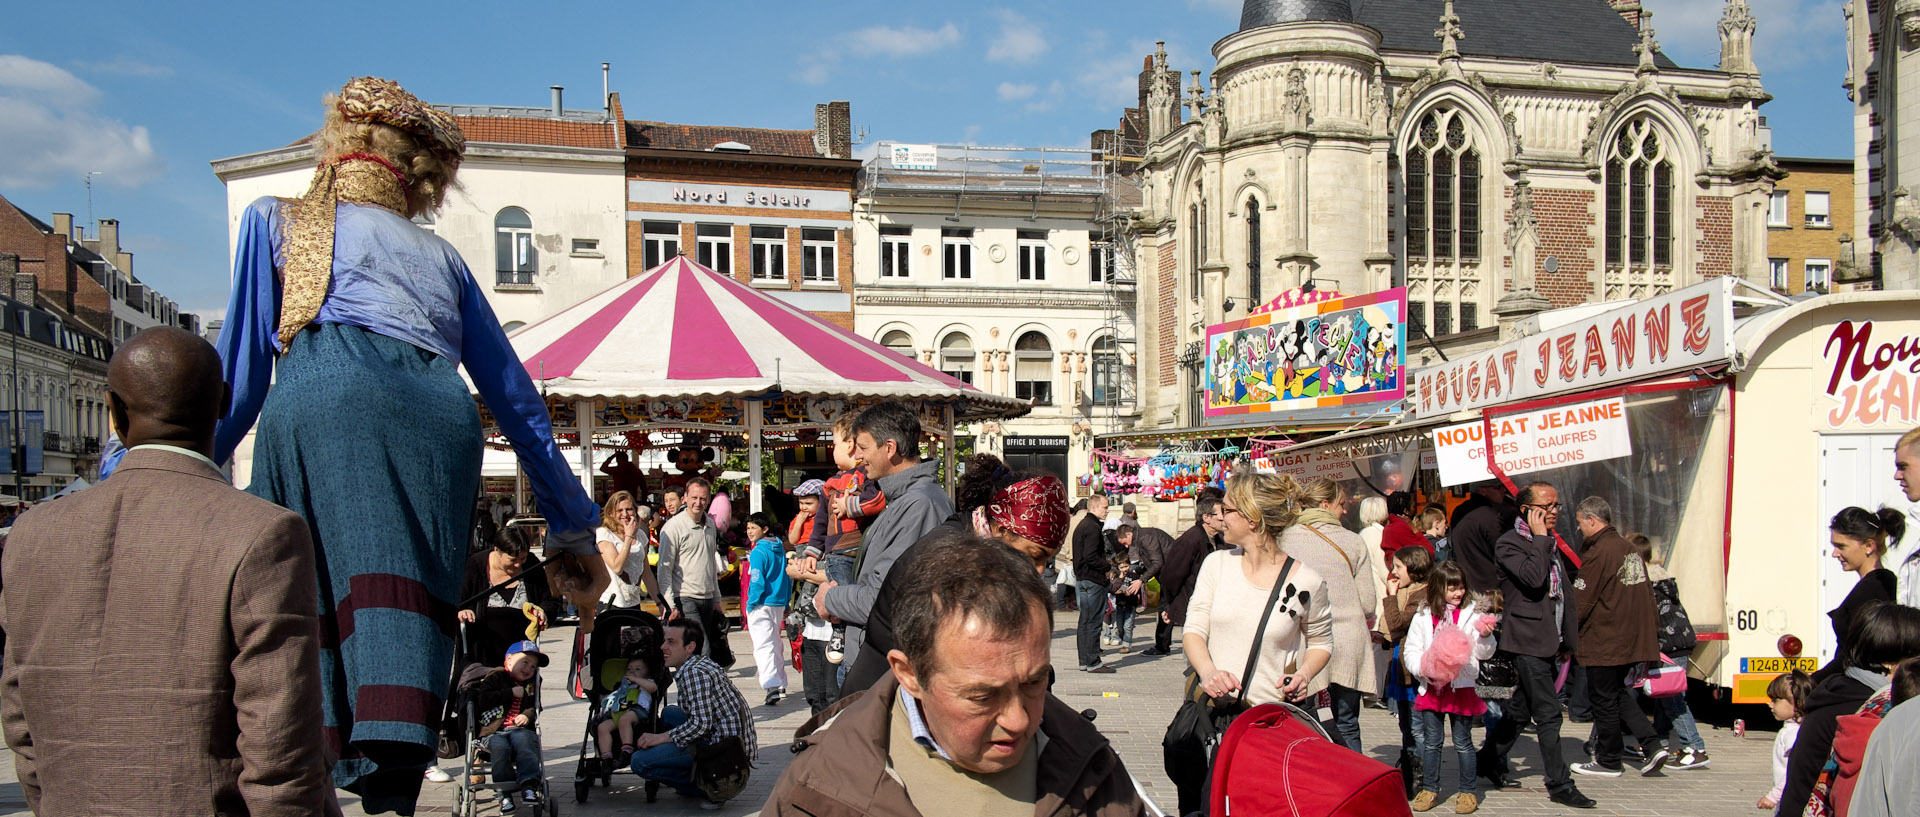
(1331, 353)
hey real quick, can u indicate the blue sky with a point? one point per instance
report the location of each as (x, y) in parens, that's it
(149, 93)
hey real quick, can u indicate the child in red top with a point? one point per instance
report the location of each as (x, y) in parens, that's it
(849, 506)
(1445, 645)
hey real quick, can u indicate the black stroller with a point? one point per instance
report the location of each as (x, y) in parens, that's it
(619, 635)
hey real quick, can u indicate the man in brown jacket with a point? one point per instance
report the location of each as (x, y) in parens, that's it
(964, 720)
(1619, 628)
(164, 626)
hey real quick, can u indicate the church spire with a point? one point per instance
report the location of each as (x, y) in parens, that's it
(1736, 39)
(1449, 34)
(1648, 46)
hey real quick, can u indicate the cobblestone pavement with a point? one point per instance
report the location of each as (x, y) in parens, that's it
(1134, 706)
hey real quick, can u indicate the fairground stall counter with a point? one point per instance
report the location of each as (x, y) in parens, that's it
(1725, 423)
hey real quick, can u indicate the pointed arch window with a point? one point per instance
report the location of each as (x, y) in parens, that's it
(1639, 185)
(1443, 171)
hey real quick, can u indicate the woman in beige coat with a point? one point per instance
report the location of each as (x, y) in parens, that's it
(1340, 557)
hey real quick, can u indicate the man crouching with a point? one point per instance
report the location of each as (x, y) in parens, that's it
(964, 720)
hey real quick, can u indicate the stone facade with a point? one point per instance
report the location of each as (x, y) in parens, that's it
(1473, 156)
(1882, 36)
(1018, 295)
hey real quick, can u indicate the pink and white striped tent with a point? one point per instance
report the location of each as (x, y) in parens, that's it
(683, 331)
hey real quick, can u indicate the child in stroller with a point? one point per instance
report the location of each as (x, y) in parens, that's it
(625, 680)
(503, 707)
(622, 710)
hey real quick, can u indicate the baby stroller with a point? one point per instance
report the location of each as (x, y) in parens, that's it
(619, 635)
(475, 758)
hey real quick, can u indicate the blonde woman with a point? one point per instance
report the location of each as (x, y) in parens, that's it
(1340, 557)
(622, 539)
(1232, 591)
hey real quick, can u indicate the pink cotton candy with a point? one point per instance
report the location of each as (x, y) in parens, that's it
(1450, 651)
(721, 509)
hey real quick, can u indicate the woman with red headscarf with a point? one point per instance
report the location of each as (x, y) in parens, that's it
(1025, 512)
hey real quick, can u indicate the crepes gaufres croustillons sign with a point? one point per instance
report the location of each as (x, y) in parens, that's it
(1872, 374)
(1674, 332)
(1550, 438)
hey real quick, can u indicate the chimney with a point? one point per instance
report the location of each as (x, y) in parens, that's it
(1629, 10)
(556, 100)
(833, 129)
(25, 285)
(63, 225)
(606, 89)
(109, 239)
(9, 265)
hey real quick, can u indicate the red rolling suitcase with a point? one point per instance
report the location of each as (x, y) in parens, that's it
(1276, 762)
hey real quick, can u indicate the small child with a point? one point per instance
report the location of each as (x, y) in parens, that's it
(1406, 585)
(1445, 645)
(622, 709)
(1671, 715)
(1787, 694)
(1432, 522)
(506, 701)
(768, 589)
(849, 504)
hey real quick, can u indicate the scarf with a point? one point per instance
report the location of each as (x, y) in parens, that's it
(1319, 516)
(361, 178)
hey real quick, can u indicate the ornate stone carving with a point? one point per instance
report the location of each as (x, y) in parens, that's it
(1296, 112)
(1907, 12)
(1449, 34)
(1648, 46)
(1163, 97)
(1378, 103)
(1904, 214)
(1736, 39)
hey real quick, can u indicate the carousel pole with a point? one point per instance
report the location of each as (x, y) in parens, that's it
(583, 422)
(756, 421)
(946, 449)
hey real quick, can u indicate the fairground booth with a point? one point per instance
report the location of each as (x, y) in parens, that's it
(1726, 423)
(683, 359)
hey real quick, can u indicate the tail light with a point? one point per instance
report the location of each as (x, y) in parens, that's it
(1790, 646)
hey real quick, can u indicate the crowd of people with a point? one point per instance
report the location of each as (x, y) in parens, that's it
(309, 634)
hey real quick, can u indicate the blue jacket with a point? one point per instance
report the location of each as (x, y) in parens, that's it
(767, 582)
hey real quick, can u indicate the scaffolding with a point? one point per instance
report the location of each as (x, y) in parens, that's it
(1117, 236)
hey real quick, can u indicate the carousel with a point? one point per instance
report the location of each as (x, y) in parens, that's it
(682, 357)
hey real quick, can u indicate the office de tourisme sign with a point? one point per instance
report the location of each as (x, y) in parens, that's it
(1674, 332)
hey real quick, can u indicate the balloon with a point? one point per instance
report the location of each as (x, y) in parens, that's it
(721, 509)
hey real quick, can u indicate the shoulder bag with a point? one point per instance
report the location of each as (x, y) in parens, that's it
(1351, 570)
(1197, 725)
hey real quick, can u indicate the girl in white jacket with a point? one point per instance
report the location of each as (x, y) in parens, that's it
(1444, 648)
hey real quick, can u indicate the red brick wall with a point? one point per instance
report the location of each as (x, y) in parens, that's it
(1567, 233)
(1168, 314)
(1716, 236)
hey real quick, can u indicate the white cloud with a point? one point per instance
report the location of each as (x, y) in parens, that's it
(1010, 91)
(906, 41)
(52, 133)
(126, 67)
(1019, 40)
(1109, 74)
(1056, 92)
(1789, 33)
(874, 41)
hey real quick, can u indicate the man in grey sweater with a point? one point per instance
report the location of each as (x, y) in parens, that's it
(887, 439)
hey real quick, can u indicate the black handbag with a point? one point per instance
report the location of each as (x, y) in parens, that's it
(721, 768)
(1497, 678)
(1200, 720)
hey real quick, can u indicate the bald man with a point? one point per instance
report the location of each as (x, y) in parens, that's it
(163, 627)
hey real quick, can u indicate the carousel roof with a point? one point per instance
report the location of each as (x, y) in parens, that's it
(682, 331)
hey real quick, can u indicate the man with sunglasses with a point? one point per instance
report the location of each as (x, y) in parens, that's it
(1538, 629)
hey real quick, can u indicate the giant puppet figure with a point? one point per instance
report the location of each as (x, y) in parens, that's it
(360, 321)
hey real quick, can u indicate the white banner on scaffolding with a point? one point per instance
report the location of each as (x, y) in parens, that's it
(915, 157)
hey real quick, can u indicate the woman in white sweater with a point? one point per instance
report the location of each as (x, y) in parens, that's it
(1231, 593)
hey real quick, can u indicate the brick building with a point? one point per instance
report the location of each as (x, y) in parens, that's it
(1809, 220)
(772, 208)
(1497, 158)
